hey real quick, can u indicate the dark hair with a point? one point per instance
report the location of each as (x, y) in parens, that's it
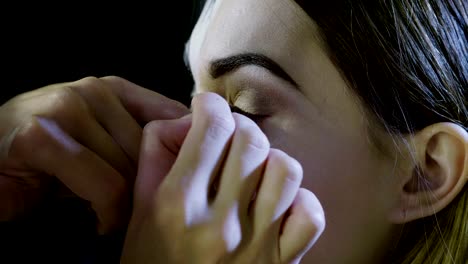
(407, 60)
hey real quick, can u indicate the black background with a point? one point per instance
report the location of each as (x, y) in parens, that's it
(143, 43)
(44, 44)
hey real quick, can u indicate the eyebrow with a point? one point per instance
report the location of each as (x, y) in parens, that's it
(221, 67)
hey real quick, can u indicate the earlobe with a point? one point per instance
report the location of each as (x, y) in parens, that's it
(437, 175)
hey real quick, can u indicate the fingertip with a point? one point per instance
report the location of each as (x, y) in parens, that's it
(208, 99)
(200, 96)
(290, 166)
(310, 213)
(169, 133)
(303, 227)
(212, 118)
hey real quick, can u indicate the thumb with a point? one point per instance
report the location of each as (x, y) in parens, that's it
(162, 140)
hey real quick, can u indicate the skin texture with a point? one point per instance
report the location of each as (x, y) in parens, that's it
(258, 213)
(321, 125)
(215, 186)
(63, 132)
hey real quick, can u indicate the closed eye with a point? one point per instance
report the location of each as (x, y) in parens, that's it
(254, 117)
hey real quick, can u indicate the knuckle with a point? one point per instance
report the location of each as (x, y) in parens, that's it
(65, 106)
(288, 167)
(218, 126)
(89, 81)
(208, 98)
(153, 127)
(118, 84)
(30, 136)
(65, 100)
(38, 136)
(250, 133)
(313, 226)
(214, 111)
(94, 88)
(314, 213)
(114, 79)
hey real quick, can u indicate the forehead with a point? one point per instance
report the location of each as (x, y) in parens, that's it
(282, 31)
(278, 28)
(247, 21)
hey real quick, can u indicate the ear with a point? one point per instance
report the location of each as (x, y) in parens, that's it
(440, 172)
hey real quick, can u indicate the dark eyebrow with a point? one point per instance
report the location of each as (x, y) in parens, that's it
(227, 65)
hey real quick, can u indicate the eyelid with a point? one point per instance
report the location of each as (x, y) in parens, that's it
(254, 101)
(254, 117)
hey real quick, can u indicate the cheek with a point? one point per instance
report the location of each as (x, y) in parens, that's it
(332, 164)
(343, 172)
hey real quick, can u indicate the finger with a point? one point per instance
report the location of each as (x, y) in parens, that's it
(243, 166)
(302, 227)
(71, 112)
(19, 197)
(107, 109)
(45, 147)
(160, 146)
(143, 104)
(215, 238)
(202, 153)
(98, 140)
(279, 186)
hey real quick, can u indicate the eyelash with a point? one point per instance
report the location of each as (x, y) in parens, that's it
(255, 117)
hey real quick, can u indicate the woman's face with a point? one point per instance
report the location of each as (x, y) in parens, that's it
(266, 58)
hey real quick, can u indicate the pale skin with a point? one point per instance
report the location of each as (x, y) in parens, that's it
(322, 127)
(175, 221)
(63, 131)
(365, 194)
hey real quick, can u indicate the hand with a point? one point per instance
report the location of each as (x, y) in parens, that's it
(86, 134)
(258, 214)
